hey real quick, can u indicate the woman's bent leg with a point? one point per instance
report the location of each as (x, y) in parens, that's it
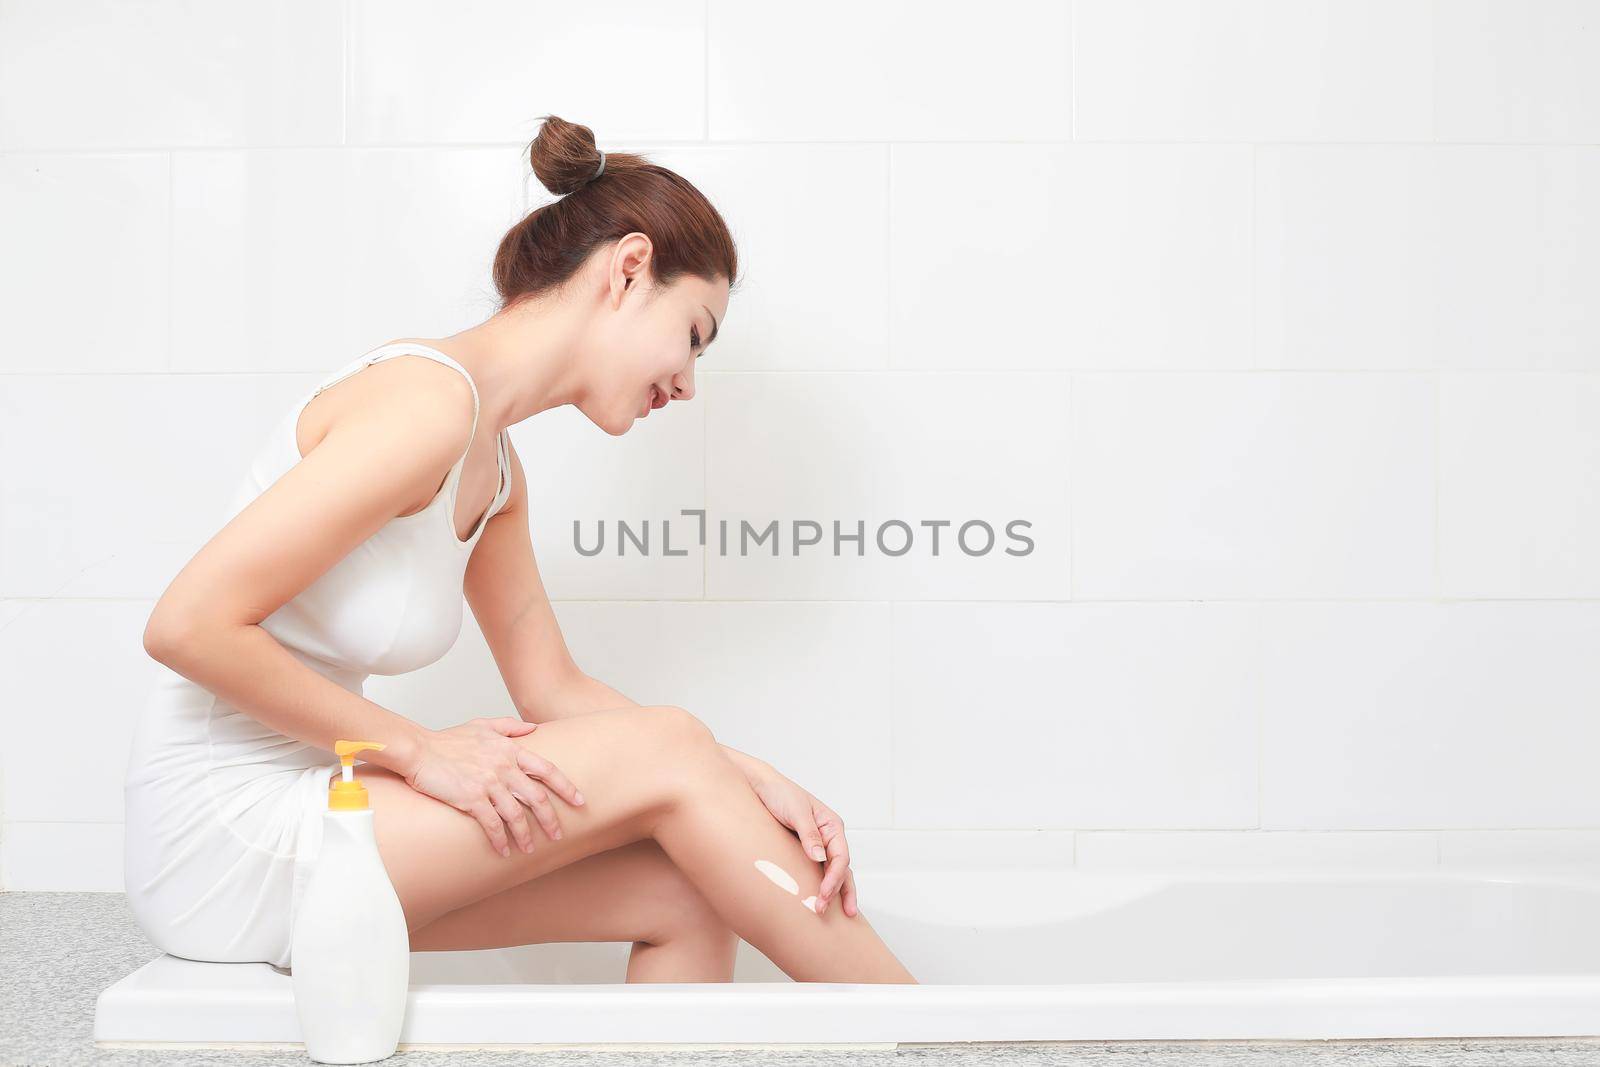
(653, 772)
(754, 872)
(633, 893)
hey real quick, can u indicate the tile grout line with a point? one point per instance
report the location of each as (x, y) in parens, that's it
(894, 705)
(25, 598)
(706, 71)
(172, 262)
(1439, 445)
(888, 255)
(975, 371)
(347, 17)
(648, 143)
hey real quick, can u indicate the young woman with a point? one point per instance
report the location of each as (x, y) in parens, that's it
(378, 500)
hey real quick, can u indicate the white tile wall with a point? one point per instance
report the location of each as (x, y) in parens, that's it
(1252, 70)
(895, 70)
(1252, 486)
(1393, 257)
(1274, 322)
(1519, 485)
(1444, 715)
(1507, 70)
(71, 665)
(103, 74)
(321, 250)
(85, 231)
(1064, 256)
(1073, 715)
(425, 73)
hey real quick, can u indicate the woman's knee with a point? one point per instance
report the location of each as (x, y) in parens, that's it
(686, 727)
(680, 750)
(671, 730)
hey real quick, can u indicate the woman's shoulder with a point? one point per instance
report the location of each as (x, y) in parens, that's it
(429, 398)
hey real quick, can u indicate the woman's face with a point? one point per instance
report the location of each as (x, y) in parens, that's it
(650, 340)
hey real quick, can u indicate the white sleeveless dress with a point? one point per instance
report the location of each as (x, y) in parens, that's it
(223, 814)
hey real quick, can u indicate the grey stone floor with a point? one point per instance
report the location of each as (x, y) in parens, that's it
(59, 950)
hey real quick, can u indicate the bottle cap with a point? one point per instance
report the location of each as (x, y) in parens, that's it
(347, 793)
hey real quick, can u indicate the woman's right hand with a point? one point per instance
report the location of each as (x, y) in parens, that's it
(477, 768)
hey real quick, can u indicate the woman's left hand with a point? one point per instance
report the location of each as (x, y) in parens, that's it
(821, 833)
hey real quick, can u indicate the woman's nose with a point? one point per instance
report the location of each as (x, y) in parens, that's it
(683, 386)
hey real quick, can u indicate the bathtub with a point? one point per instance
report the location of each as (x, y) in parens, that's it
(1009, 955)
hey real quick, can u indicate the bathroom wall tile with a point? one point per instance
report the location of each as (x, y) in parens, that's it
(987, 454)
(104, 74)
(1274, 849)
(1506, 70)
(1396, 257)
(1430, 715)
(892, 851)
(115, 504)
(1050, 716)
(785, 448)
(803, 686)
(62, 857)
(1252, 70)
(869, 450)
(810, 226)
(890, 71)
(1070, 256)
(1519, 485)
(302, 260)
(422, 73)
(65, 723)
(1517, 243)
(1252, 485)
(583, 483)
(1344, 242)
(84, 280)
(1519, 849)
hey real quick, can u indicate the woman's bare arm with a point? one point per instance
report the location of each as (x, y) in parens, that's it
(391, 439)
(509, 602)
(508, 599)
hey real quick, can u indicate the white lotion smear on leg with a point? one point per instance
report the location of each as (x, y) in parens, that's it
(785, 881)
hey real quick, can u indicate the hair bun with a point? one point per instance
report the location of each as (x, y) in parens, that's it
(564, 157)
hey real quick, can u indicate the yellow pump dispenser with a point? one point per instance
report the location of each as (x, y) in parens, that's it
(348, 794)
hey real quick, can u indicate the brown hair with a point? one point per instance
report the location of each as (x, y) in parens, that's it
(551, 242)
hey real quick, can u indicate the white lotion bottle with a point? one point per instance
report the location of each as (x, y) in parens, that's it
(350, 950)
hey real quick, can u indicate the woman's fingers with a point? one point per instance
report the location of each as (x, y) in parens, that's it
(832, 830)
(510, 725)
(847, 896)
(514, 814)
(535, 797)
(537, 766)
(493, 825)
(838, 867)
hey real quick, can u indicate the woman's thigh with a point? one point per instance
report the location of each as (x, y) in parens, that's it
(629, 763)
(630, 893)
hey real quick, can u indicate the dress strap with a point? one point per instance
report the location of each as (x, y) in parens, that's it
(500, 501)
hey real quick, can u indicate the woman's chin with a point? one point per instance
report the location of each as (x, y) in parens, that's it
(616, 425)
